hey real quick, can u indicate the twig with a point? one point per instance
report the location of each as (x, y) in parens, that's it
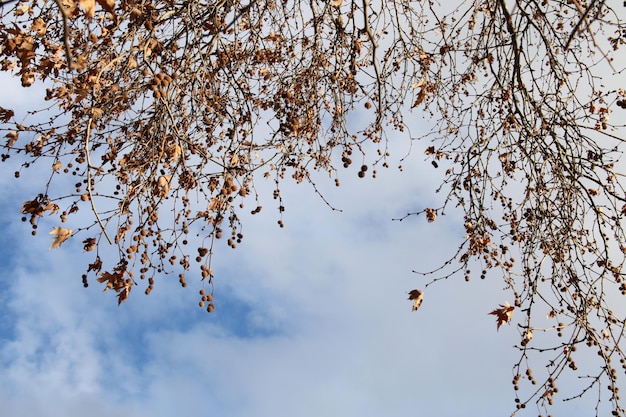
(89, 191)
(68, 50)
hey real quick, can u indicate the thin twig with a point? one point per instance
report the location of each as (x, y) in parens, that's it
(89, 190)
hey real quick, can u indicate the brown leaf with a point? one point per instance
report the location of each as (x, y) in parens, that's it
(417, 296)
(33, 208)
(39, 26)
(89, 244)
(61, 235)
(421, 96)
(52, 208)
(504, 314)
(123, 295)
(11, 138)
(108, 5)
(6, 114)
(431, 215)
(163, 185)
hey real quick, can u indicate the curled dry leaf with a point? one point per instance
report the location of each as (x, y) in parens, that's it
(431, 215)
(421, 96)
(11, 138)
(417, 296)
(504, 314)
(163, 185)
(61, 235)
(89, 244)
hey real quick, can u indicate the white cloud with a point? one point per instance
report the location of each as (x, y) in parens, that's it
(311, 320)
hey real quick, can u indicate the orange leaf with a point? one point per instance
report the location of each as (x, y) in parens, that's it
(504, 314)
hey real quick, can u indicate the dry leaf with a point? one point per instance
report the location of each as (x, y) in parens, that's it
(108, 5)
(419, 84)
(123, 295)
(89, 6)
(97, 112)
(176, 151)
(163, 185)
(89, 244)
(56, 166)
(39, 26)
(421, 96)
(61, 235)
(504, 314)
(431, 215)
(11, 138)
(417, 296)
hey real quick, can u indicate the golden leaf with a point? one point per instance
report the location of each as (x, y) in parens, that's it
(89, 6)
(61, 235)
(418, 84)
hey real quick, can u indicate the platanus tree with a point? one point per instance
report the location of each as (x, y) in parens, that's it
(163, 115)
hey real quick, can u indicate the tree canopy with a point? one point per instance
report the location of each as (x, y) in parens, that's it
(164, 115)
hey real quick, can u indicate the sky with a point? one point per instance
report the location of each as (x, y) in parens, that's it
(311, 320)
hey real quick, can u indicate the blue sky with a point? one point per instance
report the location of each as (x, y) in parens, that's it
(310, 320)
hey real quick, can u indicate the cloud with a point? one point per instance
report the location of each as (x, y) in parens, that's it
(311, 320)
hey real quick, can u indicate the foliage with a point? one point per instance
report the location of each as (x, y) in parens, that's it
(163, 113)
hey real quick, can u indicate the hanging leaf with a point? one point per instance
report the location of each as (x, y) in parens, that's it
(417, 296)
(61, 235)
(89, 6)
(108, 5)
(504, 314)
(89, 244)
